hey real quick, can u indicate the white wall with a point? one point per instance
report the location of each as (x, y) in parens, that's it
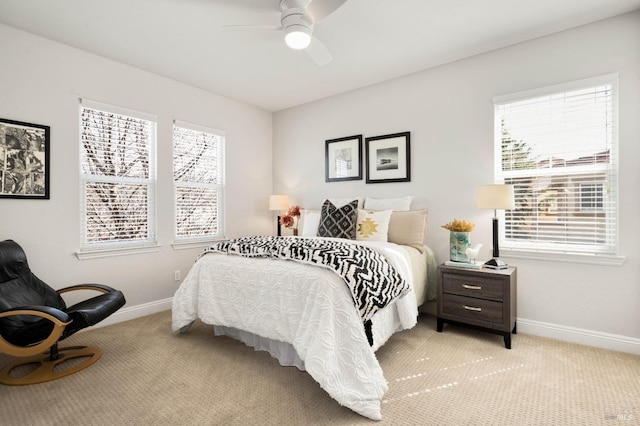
(41, 82)
(449, 112)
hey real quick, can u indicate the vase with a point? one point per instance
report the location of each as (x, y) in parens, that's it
(459, 242)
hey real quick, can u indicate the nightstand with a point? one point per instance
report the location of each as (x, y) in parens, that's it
(484, 299)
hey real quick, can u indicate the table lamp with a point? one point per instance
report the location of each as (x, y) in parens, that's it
(279, 203)
(496, 197)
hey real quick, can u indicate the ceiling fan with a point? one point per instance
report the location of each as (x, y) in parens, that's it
(297, 18)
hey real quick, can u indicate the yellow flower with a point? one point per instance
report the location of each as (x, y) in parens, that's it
(459, 226)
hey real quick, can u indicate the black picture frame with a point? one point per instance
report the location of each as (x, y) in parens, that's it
(343, 159)
(24, 160)
(389, 158)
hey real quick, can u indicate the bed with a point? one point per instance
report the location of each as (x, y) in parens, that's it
(303, 314)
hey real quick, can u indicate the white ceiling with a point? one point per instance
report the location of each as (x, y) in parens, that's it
(370, 40)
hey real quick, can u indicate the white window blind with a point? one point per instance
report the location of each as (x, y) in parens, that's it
(117, 176)
(558, 147)
(198, 175)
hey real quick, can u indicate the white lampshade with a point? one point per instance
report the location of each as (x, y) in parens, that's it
(496, 197)
(279, 202)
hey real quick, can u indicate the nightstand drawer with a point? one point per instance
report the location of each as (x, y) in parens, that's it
(472, 286)
(471, 308)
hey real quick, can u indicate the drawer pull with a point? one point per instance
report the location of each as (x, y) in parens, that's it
(472, 308)
(471, 287)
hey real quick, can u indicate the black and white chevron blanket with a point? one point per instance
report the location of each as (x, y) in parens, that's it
(373, 282)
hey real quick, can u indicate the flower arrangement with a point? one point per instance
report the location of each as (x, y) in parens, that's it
(291, 219)
(459, 226)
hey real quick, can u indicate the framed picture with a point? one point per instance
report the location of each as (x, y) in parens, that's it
(389, 158)
(343, 159)
(24, 160)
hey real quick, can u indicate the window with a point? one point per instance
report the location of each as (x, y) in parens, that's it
(591, 196)
(198, 176)
(118, 177)
(558, 147)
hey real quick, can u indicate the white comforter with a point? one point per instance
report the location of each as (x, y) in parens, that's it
(307, 306)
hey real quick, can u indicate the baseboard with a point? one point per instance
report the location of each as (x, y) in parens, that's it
(581, 336)
(132, 312)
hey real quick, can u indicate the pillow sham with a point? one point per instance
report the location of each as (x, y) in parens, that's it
(339, 202)
(373, 225)
(408, 228)
(338, 222)
(397, 204)
(310, 222)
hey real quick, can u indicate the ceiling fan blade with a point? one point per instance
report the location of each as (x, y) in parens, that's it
(318, 52)
(319, 9)
(251, 27)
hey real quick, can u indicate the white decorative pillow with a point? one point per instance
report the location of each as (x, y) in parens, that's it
(310, 221)
(339, 202)
(397, 204)
(373, 225)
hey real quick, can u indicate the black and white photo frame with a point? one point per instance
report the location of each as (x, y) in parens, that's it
(388, 158)
(24, 160)
(343, 159)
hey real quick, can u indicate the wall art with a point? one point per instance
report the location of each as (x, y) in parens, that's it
(389, 158)
(343, 159)
(24, 160)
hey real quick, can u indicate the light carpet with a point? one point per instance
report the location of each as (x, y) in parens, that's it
(149, 376)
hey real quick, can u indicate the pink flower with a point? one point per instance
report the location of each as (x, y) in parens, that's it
(294, 211)
(287, 221)
(291, 219)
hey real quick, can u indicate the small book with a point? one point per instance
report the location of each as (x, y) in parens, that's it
(467, 265)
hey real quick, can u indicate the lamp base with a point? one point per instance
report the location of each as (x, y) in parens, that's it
(495, 263)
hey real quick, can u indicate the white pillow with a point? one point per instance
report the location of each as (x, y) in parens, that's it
(373, 225)
(397, 204)
(339, 202)
(310, 221)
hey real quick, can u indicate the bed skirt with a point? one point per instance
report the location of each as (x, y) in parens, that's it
(284, 352)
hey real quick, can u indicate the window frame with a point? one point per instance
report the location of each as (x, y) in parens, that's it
(595, 194)
(513, 248)
(120, 247)
(220, 187)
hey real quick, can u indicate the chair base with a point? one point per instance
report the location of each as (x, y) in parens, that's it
(45, 371)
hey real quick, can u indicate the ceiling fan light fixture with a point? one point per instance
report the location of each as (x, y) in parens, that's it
(297, 26)
(297, 37)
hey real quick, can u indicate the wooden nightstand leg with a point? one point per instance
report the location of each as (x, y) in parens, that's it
(439, 325)
(515, 326)
(507, 340)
